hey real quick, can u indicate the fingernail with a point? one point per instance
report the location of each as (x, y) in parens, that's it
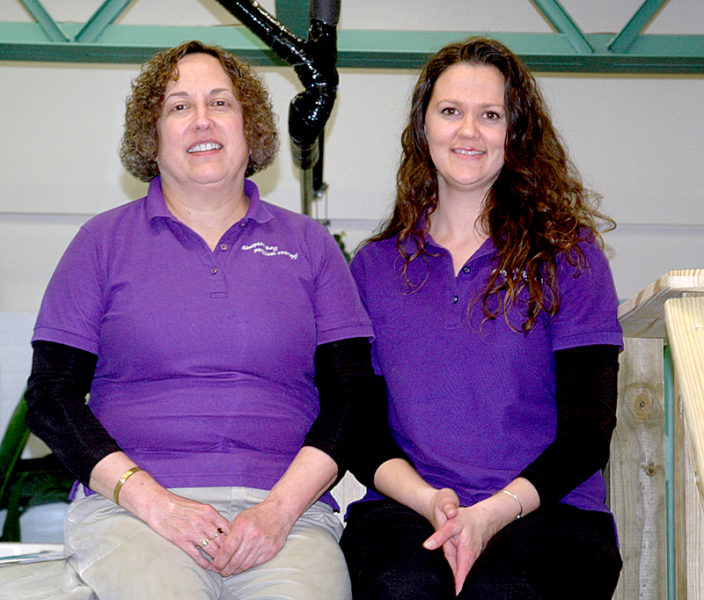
(430, 545)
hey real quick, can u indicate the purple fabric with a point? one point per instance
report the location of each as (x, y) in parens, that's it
(205, 358)
(472, 402)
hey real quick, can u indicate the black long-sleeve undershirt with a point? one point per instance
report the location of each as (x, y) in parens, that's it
(350, 393)
(57, 411)
(586, 381)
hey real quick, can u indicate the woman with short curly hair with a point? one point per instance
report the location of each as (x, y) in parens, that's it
(494, 314)
(214, 333)
(143, 110)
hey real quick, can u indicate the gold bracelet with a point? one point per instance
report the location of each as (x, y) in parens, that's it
(118, 486)
(515, 497)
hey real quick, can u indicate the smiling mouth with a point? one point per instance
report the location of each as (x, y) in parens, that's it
(468, 152)
(204, 147)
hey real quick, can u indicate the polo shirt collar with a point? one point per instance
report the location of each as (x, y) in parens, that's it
(258, 211)
(156, 205)
(486, 249)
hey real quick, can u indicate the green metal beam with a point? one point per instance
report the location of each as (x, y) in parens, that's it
(106, 15)
(569, 49)
(624, 40)
(125, 43)
(659, 54)
(560, 19)
(45, 21)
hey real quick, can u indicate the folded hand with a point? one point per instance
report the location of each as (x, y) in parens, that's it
(190, 525)
(255, 536)
(463, 535)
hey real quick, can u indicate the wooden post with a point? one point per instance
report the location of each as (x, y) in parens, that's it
(637, 472)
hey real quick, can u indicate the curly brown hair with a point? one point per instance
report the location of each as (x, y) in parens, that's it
(536, 209)
(140, 140)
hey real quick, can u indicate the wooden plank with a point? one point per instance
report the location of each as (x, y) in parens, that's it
(688, 514)
(637, 472)
(685, 327)
(694, 526)
(642, 315)
(684, 318)
(679, 478)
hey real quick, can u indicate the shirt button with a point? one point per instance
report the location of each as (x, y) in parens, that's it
(214, 270)
(466, 269)
(455, 299)
(224, 247)
(243, 224)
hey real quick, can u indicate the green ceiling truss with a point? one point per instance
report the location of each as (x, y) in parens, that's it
(567, 49)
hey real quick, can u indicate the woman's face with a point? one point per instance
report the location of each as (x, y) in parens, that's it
(201, 128)
(465, 124)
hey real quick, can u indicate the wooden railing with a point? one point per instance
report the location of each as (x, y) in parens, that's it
(657, 454)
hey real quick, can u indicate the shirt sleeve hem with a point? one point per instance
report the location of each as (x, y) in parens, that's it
(59, 336)
(343, 333)
(589, 339)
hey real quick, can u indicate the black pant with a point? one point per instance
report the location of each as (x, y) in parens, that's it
(554, 553)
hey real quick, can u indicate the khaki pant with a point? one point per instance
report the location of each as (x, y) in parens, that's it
(121, 558)
(50, 580)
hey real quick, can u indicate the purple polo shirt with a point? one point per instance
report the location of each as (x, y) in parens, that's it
(472, 402)
(205, 358)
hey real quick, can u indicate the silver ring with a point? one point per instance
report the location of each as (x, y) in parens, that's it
(205, 542)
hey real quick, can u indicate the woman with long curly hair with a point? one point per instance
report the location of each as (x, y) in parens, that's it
(494, 314)
(215, 420)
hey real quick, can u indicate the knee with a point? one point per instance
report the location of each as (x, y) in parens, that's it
(403, 585)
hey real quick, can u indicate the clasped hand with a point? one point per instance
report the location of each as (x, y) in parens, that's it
(254, 536)
(462, 532)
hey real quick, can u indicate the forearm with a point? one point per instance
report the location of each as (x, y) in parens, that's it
(515, 500)
(307, 478)
(140, 493)
(397, 479)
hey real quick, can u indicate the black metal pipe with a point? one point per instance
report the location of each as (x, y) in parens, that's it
(318, 183)
(314, 61)
(326, 11)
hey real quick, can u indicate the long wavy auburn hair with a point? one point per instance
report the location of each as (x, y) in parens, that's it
(140, 140)
(536, 209)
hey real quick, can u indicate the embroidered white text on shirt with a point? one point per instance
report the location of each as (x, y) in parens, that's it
(262, 248)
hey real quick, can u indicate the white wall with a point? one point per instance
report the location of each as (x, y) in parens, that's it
(637, 140)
